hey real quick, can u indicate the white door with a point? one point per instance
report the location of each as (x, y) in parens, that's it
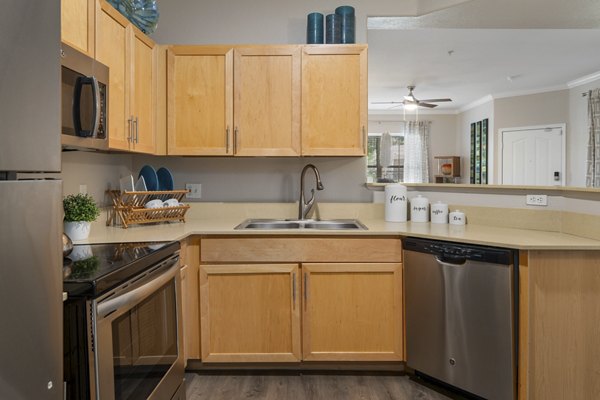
(532, 156)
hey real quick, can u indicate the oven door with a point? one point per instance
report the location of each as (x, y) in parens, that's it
(138, 354)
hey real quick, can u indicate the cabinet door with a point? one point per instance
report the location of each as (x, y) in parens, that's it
(352, 312)
(267, 101)
(250, 313)
(111, 50)
(143, 92)
(334, 100)
(199, 100)
(77, 24)
(190, 256)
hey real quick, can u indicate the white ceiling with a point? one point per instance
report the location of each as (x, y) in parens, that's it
(482, 62)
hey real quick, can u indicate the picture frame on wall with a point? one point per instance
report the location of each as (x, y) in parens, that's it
(472, 158)
(479, 152)
(484, 151)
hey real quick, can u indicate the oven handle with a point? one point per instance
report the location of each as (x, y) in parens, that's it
(134, 296)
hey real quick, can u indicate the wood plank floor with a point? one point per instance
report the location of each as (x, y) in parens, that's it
(305, 386)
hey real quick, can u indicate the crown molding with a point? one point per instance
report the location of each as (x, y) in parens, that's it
(583, 80)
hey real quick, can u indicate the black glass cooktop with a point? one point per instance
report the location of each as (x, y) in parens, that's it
(91, 270)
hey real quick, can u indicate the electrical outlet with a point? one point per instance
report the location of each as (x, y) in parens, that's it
(83, 188)
(195, 190)
(537, 200)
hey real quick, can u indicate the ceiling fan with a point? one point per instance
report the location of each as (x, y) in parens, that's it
(410, 102)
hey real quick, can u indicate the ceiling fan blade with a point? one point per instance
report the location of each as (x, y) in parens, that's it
(427, 105)
(435, 100)
(387, 102)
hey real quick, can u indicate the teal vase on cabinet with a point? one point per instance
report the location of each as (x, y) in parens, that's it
(142, 13)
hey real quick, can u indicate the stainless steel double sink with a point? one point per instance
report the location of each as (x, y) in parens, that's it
(275, 224)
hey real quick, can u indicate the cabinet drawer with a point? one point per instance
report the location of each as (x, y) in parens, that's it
(301, 249)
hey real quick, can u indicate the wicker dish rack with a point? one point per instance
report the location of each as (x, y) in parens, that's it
(129, 208)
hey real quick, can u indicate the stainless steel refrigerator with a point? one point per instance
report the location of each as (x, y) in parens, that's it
(30, 204)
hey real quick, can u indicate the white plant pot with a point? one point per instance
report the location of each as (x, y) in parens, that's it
(77, 230)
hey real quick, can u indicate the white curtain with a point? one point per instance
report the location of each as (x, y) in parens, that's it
(592, 178)
(416, 151)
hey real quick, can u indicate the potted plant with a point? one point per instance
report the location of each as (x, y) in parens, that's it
(80, 211)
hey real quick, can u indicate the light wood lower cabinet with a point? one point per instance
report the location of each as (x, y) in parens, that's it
(560, 325)
(190, 303)
(352, 312)
(351, 299)
(250, 313)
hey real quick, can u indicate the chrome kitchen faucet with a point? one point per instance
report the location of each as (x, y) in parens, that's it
(306, 208)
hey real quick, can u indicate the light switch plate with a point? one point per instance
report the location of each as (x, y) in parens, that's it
(195, 190)
(537, 200)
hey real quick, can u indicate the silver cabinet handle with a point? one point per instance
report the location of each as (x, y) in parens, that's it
(294, 290)
(365, 140)
(137, 131)
(305, 290)
(130, 127)
(227, 139)
(235, 139)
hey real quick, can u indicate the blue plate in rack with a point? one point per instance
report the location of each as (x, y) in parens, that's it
(165, 179)
(150, 177)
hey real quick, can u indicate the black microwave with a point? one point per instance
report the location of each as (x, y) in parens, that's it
(84, 100)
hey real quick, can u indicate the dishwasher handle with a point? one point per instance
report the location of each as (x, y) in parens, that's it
(450, 260)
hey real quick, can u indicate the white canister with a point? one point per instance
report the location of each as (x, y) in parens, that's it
(457, 218)
(419, 209)
(439, 213)
(395, 203)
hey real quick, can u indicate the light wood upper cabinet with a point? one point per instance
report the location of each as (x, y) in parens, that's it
(267, 101)
(334, 100)
(143, 98)
(200, 100)
(130, 56)
(250, 313)
(242, 101)
(111, 50)
(77, 24)
(352, 312)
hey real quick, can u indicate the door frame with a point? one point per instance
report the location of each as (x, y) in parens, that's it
(562, 126)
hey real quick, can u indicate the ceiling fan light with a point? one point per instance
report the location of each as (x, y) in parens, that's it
(410, 106)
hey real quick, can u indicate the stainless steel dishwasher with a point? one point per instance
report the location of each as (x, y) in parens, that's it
(461, 315)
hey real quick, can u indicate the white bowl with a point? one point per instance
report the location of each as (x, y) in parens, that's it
(171, 203)
(154, 204)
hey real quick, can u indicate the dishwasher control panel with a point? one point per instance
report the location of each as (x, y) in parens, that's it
(455, 251)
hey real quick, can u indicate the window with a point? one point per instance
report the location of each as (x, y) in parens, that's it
(376, 171)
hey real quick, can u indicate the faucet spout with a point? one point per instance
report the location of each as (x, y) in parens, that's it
(306, 208)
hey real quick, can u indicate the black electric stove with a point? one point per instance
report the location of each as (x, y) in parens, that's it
(91, 270)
